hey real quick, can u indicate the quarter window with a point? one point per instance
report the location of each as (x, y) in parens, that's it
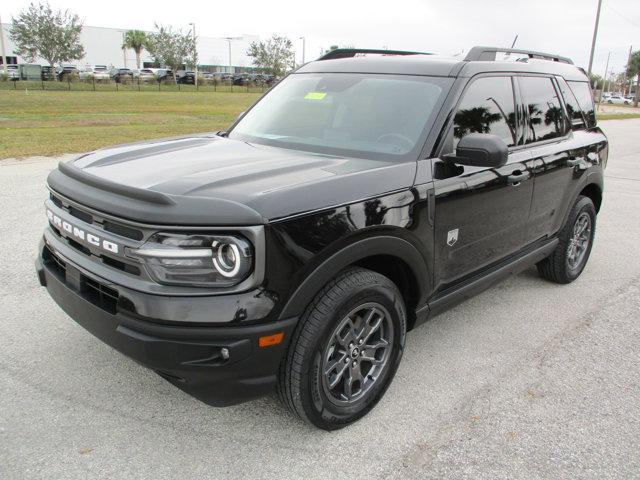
(582, 91)
(573, 108)
(546, 117)
(487, 106)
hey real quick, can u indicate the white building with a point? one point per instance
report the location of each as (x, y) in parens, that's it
(102, 46)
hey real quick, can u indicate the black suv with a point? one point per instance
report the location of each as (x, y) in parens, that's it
(362, 195)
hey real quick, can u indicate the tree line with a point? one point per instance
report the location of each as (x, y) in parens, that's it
(54, 35)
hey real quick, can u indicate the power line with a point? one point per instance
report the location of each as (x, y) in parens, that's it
(623, 16)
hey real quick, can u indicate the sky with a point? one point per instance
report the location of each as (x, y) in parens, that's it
(448, 27)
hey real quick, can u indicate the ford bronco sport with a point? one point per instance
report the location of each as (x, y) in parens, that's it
(365, 193)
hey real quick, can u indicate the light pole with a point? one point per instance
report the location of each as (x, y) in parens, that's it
(593, 41)
(303, 48)
(228, 39)
(195, 52)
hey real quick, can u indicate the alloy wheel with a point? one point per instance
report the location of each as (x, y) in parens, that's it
(357, 353)
(579, 241)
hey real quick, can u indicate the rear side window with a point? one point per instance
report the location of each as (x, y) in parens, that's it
(487, 106)
(583, 94)
(573, 107)
(546, 117)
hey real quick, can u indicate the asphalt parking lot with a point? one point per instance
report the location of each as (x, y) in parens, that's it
(527, 380)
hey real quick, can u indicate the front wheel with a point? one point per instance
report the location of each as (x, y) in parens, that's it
(570, 257)
(345, 350)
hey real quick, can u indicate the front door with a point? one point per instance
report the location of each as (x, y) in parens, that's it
(481, 214)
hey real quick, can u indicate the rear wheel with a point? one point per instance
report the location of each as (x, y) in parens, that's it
(569, 258)
(345, 351)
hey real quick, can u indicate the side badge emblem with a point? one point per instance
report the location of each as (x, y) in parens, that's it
(452, 237)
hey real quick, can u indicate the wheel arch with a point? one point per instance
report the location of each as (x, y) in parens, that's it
(594, 192)
(396, 258)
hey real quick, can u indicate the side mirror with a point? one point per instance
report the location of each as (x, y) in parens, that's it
(480, 150)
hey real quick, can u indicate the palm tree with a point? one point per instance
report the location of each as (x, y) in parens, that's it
(633, 69)
(135, 39)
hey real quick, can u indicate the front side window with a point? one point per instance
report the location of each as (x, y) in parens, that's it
(487, 106)
(370, 116)
(583, 94)
(546, 117)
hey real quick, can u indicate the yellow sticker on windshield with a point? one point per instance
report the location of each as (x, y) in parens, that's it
(315, 96)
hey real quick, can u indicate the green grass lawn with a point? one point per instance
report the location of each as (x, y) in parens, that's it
(52, 123)
(617, 116)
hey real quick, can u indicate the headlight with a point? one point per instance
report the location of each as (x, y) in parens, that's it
(196, 260)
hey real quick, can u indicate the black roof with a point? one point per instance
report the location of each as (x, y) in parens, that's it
(478, 60)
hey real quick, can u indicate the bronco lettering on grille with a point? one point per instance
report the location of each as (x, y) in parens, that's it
(79, 234)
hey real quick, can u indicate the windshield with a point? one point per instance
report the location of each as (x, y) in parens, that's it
(360, 115)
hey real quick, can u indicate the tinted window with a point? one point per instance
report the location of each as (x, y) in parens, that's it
(487, 106)
(573, 107)
(582, 91)
(546, 118)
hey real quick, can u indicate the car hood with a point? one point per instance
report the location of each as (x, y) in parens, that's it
(214, 180)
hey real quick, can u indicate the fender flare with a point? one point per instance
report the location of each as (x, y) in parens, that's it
(354, 252)
(593, 178)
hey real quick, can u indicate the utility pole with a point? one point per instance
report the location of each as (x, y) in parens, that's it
(4, 56)
(303, 48)
(593, 41)
(627, 67)
(195, 53)
(604, 80)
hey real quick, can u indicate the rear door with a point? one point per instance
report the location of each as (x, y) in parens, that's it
(557, 157)
(481, 213)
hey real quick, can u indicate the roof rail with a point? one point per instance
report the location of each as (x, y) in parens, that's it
(489, 54)
(352, 52)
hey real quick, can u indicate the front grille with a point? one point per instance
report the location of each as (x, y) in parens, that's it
(55, 200)
(122, 230)
(98, 221)
(84, 216)
(95, 220)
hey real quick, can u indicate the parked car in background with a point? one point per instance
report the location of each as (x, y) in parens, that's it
(618, 100)
(66, 73)
(120, 75)
(241, 79)
(47, 73)
(97, 72)
(12, 72)
(144, 75)
(164, 75)
(186, 77)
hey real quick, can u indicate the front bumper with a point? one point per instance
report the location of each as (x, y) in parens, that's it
(190, 357)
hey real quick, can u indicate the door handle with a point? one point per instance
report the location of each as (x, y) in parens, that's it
(517, 177)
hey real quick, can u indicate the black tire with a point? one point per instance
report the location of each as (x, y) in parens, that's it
(557, 267)
(304, 387)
